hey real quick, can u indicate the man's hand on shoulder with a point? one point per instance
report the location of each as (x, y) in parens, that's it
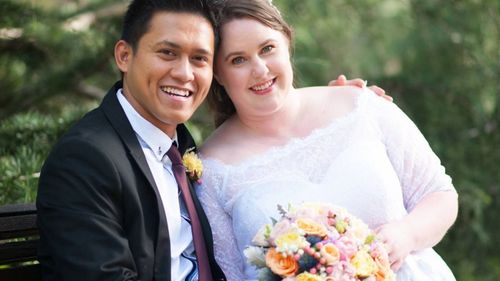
(342, 81)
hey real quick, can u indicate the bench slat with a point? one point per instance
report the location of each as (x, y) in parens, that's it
(28, 272)
(18, 251)
(18, 226)
(17, 209)
(17, 221)
(18, 243)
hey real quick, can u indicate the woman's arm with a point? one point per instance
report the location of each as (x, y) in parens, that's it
(428, 193)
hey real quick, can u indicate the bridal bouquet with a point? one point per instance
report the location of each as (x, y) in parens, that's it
(318, 242)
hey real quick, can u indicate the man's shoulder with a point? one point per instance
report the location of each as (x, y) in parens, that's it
(97, 124)
(89, 125)
(92, 131)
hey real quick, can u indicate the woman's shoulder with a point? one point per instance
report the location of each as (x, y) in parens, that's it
(331, 92)
(329, 102)
(223, 144)
(213, 145)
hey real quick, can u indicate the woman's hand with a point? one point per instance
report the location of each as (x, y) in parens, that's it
(342, 81)
(422, 228)
(398, 240)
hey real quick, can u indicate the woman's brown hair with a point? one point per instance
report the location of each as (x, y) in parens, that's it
(262, 11)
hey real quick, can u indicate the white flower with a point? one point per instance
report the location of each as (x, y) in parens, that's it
(261, 238)
(255, 256)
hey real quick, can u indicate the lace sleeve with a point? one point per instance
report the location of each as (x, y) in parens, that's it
(226, 249)
(417, 166)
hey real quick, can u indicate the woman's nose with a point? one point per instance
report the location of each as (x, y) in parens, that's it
(259, 68)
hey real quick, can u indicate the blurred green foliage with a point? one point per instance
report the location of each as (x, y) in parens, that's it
(25, 140)
(440, 60)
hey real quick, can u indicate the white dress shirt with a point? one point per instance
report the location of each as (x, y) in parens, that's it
(155, 143)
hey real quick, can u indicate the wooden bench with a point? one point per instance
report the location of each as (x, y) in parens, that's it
(18, 243)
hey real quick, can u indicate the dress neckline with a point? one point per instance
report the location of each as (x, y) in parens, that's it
(293, 143)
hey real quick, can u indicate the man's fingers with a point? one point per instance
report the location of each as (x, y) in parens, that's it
(357, 82)
(380, 92)
(389, 98)
(340, 81)
(377, 90)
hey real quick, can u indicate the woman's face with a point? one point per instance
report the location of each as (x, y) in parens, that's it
(253, 65)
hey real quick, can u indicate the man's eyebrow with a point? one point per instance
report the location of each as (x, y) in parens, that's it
(166, 43)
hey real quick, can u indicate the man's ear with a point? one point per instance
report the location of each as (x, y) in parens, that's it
(123, 54)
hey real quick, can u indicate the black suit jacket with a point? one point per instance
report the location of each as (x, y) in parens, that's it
(99, 211)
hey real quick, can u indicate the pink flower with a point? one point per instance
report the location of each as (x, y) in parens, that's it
(347, 247)
(280, 228)
(343, 271)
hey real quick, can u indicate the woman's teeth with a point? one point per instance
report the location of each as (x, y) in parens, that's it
(263, 86)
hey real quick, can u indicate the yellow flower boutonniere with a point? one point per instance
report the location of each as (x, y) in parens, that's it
(194, 166)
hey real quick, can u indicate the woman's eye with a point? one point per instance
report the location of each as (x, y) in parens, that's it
(238, 60)
(267, 49)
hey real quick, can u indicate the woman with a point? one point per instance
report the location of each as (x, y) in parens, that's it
(277, 145)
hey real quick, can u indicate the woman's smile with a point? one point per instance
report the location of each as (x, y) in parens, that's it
(263, 88)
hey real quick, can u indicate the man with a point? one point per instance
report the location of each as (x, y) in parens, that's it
(108, 201)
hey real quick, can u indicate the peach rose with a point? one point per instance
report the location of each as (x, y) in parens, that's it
(364, 264)
(384, 272)
(311, 227)
(283, 266)
(305, 276)
(331, 253)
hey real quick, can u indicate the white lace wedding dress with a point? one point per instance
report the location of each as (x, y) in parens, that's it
(373, 161)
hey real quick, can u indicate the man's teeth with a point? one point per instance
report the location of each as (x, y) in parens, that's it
(263, 86)
(175, 91)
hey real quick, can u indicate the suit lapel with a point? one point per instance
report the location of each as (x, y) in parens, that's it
(185, 139)
(116, 116)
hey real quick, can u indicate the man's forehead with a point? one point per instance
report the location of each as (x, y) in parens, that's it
(181, 24)
(180, 30)
(183, 17)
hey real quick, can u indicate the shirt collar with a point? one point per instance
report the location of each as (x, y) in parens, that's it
(156, 139)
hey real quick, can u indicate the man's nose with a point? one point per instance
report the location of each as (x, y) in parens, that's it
(183, 70)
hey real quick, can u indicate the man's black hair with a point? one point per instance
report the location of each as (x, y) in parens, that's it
(140, 12)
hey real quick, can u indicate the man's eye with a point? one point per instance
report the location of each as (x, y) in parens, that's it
(167, 52)
(201, 58)
(238, 60)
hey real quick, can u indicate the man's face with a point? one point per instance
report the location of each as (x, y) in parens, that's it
(169, 73)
